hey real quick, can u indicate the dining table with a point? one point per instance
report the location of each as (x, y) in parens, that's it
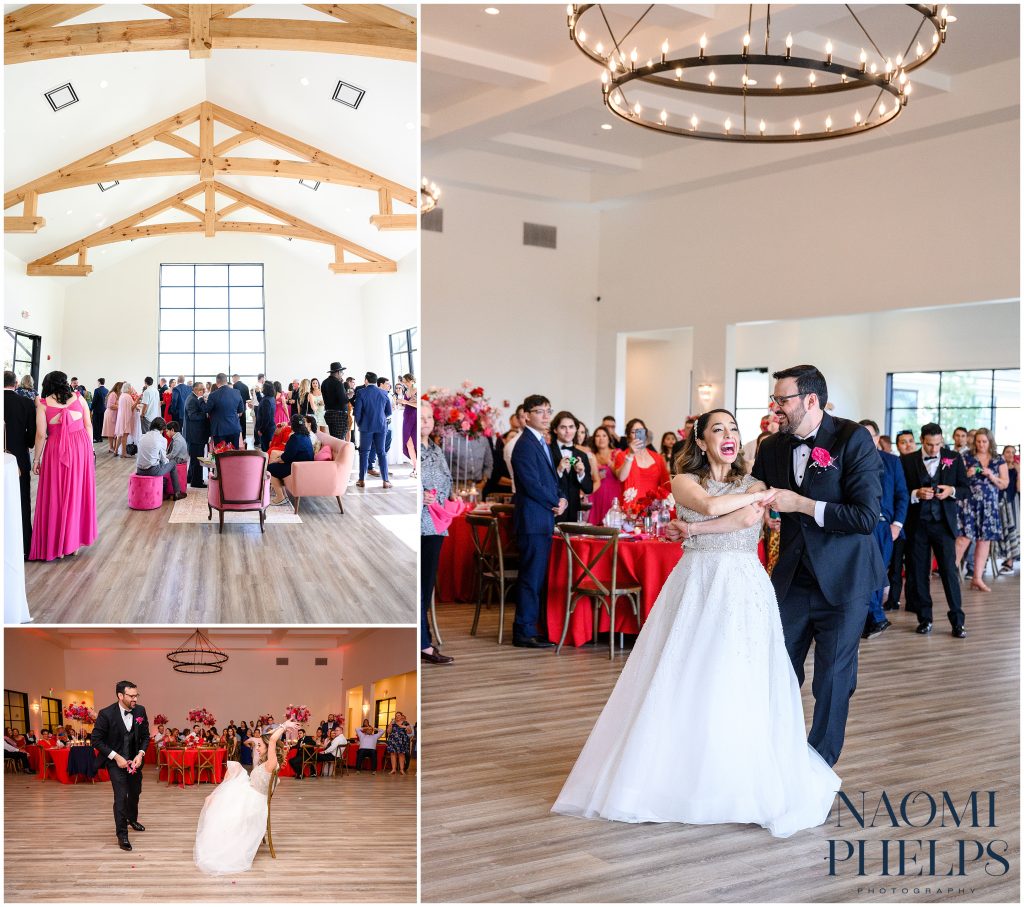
(183, 765)
(456, 571)
(70, 763)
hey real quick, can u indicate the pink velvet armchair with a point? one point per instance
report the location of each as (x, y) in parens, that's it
(239, 483)
(322, 478)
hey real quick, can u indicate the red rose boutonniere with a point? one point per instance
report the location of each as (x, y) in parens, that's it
(138, 720)
(947, 461)
(822, 458)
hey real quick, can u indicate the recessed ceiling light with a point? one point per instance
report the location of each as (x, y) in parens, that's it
(606, 125)
(104, 83)
(491, 10)
(303, 81)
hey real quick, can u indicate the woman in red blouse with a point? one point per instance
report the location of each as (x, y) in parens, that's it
(638, 466)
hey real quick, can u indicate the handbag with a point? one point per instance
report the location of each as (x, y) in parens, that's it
(132, 450)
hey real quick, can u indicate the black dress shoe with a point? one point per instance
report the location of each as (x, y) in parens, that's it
(436, 658)
(959, 632)
(123, 842)
(874, 629)
(925, 626)
(895, 606)
(138, 826)
(532, 642)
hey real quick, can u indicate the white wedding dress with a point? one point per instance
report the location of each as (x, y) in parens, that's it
(233, 821)
(705, 723)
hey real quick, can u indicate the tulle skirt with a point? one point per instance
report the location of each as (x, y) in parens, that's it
(705, 724)
(231, 825)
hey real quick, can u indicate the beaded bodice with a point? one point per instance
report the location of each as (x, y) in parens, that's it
(740, 540)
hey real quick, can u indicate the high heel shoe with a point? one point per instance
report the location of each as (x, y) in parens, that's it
(980, 586)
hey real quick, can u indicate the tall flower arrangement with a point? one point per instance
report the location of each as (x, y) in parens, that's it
(159, 718)
(81, 714)
(465, 411)
(201, 716)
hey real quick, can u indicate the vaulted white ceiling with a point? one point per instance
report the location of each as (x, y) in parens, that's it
(289, 91)
(509, 103)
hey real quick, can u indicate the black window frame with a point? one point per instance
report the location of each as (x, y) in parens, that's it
(9, 720)
(411, 337)
(35, 356)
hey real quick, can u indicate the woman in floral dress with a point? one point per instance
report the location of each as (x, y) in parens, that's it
(987, 475)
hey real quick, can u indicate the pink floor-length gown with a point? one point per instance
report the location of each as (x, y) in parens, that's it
(601, 500)
(281, 410)
(65, 516)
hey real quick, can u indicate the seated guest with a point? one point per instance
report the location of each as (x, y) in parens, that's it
(367, 745)
(12, 752)
(264, 427)
(305, 745)
(161, 732)
(177, 451)
(638, 466)
(278, 443)
(668, 445)
(317, 444)
(152, 457)
(334, 747)
(30, 738)
(299, 449)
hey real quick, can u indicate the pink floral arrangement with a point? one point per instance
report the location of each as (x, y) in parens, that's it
(297, 713)
(465, 411)
(80, 712)
(201, 716)
(264, 720)
(160, 718)
(822, 458)
(223, 446)
(947, 461)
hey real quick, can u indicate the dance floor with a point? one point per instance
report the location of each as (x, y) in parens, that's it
(327, 567)
(350, 838)
(503, 727)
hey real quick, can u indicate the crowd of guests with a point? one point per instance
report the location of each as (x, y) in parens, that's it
(172, 423)
(551, 465)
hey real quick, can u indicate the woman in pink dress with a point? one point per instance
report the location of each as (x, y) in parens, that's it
(610, 487)
(281, 400)
(65, 515)
(125, 424)
(110, 417)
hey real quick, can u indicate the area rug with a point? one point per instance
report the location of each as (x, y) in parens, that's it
(193, 509)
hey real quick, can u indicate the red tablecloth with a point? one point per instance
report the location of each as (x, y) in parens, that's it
(456, 574)
(189, 760)
(33, 751)
(643, 563)
(60, 762)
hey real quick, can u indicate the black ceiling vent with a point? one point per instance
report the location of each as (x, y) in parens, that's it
(106, 187)
(539, 235)
(348, 95)
(433, 220)
(282, 661)
(310, 184)
(61, 97)
(320, 662)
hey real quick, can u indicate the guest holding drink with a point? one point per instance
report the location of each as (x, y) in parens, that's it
(609, 487)
(437, 488)
(987, 475)
(637, 466)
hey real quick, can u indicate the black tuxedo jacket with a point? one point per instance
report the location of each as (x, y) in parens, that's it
(19, 428)
(955, 474)
(842, 556)
(109, 735)
(569, 486)
(196, 428)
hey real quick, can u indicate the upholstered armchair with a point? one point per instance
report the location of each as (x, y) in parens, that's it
(323, 478)
(239, 483)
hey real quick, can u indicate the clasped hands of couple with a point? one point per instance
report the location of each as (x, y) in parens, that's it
(758, 504)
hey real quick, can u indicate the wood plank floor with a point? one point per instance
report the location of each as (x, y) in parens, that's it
(351, 838)
(333, 568)
(503, 727)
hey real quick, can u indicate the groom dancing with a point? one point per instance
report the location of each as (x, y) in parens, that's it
(121, 734)
(828, 479)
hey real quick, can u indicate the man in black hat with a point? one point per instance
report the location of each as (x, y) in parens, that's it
(335, 401)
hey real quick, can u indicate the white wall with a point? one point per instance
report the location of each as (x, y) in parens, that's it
(380, 656)
(390, 303)
(514, 318)
(657, 380)
(34, 666)
(861, 349)
(43, 299)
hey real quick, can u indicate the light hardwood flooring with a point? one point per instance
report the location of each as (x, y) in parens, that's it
(351, 838)
(333, 568)
(503, 727)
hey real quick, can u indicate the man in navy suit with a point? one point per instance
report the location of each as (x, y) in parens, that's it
(179, 397)
(371, 410)
(895, 498)
(537, 502)
(936, 479)
(828, 481)
(197, 433)
(224, 406)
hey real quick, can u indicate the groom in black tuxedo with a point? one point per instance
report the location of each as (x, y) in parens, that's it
(573, 465)
(121, 734)
(829, 481)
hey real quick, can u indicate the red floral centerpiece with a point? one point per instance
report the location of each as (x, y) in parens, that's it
(159, 718)
(201, 716)
(222, 446)
(465, 411)
(81, 714)
(297, 713)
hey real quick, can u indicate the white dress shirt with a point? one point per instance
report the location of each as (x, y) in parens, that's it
(368, 741)
(152, 450)
(931, 465)
(507, 454)
(151, 400)
(336, 744)
(128, 719)
(801, 457)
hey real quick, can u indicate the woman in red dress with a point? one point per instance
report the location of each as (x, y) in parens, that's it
(638, 466)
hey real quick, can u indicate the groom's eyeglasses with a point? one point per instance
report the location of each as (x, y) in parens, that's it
(778, 401)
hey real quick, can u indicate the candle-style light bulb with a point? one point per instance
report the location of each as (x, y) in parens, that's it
(919, 50)
(712, 77)
(828, 52)
(637, 108)
(762, 126)
(843, 79)
(664, 117)
(863, 60)
(813, 79)
(908, 88)
(599, 48)
(899, 60)
(796, 127)
(703, 46)
(778, 80)
(828, 124)
(613, 64)
(874, 68)
(856, 118)
(728, 125)
(605, 78)
(582, 36)
(935, 38)
(881, 109)
(694, 122)
(746, 44)
(679, 72)
(664, 50)
(633, 56)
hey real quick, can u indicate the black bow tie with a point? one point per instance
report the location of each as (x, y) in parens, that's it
(930, 459)
(127, 712)
(799, 441)
(566, 449)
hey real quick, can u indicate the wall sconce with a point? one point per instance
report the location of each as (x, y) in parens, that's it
(704, 392)
(366, 709)
(35, 707)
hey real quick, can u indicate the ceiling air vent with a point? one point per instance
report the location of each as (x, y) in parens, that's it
(433, 221)
(282, 661)
(106, 187)
(310, 184)
(348, 95)
(61, 97)
(539, 235)
(320, 662)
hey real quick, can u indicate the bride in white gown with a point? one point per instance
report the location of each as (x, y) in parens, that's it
(234, 817)
(705, 723)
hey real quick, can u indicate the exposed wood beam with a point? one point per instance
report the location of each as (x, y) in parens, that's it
(199, 42)
(367, 14)
(175, 11)
(384, 201)
(210, 211)
(110, 152)
(24, 224)
(30, 205)
(58, 270)
(234, 141)
(43, 15)
(176, 34)
(363, 267)
(82, 256)
(176, 141)
(385, 222)
(206, 141)
(222, 10)
(104, 173)
(193, 212)
(231, 209)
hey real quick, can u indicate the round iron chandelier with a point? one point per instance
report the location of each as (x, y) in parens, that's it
(430, 193)
(197, 655)
(753, 80)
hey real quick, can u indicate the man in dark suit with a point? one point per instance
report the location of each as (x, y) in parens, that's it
(889, 527)
(537, 502)
(197, 432)
(335, 401)
(19, 438)
(905, 443)
(371, 410)
(121, 734)
(304, 744)
(99, 405)
(179, 397)
(936, 479)
(573, 467)
(224, 406)
(243, 392)
(827, 477)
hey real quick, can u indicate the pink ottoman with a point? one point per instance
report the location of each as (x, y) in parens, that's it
(182, 479)
(145, 492)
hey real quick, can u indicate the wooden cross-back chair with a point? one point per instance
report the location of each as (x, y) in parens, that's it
(269, 838)
(494, 570)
